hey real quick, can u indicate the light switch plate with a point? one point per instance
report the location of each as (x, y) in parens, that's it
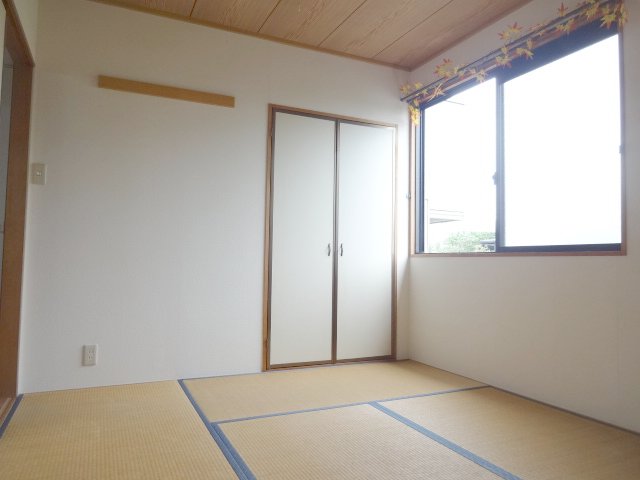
(38, 173)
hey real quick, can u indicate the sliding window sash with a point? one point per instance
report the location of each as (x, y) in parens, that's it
(551, 48)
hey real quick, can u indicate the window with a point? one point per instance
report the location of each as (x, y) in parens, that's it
(528, 160)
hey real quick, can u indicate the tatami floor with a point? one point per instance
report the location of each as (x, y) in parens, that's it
(391, 420)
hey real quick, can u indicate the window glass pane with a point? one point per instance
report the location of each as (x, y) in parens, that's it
(562, 173)
(459, 165)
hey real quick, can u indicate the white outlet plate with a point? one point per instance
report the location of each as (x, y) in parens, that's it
(89, 355)
(38, 174)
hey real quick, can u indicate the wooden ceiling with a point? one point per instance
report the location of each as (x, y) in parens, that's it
(400, 33)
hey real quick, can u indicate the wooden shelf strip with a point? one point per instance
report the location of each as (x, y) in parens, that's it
(114, 83)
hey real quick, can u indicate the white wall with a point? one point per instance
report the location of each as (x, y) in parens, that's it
(148, 237)
(28, 14)
(564, 330)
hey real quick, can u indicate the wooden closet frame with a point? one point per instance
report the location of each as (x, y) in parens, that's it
(266, 322)
(17, 174)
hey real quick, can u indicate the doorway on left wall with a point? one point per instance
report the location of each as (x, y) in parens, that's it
(15, 120)
(5, 123)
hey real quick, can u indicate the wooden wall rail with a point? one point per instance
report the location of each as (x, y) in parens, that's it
(114, 83)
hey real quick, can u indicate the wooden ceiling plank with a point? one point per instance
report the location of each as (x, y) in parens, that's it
(378, 23)
(177, 7)
(193, 8)
(454, 23)
(269, 16)
(399, 33)
(308, 21)
(246, 15)
(205, 23)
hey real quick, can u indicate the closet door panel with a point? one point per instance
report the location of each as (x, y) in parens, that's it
(365, 229)
(302, 230)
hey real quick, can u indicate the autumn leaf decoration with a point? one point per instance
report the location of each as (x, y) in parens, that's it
(525, 52)
(503, 60)
(617, 14)
(450, 74)
(562, 10)
(446, 69)
(513, 32)
(414, 105)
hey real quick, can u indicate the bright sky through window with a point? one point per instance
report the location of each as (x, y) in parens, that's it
(561, 178)
(459, 143)
(562, 150)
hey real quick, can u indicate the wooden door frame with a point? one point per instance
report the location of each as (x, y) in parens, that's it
(266, 322)
(17, 173)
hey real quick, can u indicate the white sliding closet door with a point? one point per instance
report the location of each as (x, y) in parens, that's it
(365, 230)
(302, 239)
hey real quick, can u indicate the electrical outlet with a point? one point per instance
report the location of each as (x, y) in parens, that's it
(89, 355)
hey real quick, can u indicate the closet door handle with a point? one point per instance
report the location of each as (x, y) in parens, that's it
(341, 250)
(328, 249)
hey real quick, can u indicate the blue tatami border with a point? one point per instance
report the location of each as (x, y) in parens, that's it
(244, 472)
(345, 405)
(231, 454)
(9, 416)
(447, 443)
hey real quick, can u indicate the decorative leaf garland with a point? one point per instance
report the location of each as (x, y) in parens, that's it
(518, 42)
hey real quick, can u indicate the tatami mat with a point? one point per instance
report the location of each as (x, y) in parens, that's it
(356, 442)
(146, 431)
(225, 398)
(528, 439)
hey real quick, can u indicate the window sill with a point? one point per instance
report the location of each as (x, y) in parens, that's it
(620, 253)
